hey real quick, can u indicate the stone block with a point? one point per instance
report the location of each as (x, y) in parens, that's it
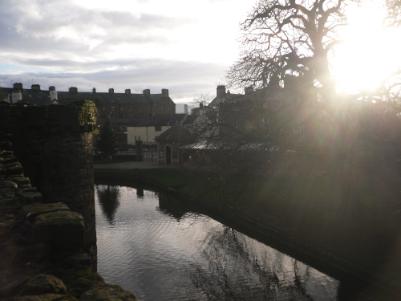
(8, 159)
(29, 196)
(7, 184)
(6, 153)
(64, 230)
(12, 169)
(43, 284)
(31, 211)
(34, 252)
(20, 180)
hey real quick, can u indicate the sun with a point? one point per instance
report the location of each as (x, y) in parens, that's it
(369, 51)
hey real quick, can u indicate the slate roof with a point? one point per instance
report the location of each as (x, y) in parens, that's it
(227, 97)
(113, 98)
(41, 97)
(154, 121)
(177, 134)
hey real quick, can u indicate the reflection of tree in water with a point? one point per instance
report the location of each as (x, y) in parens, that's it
(231, 271)
(140, 193)
(171, 206)
(108, 199)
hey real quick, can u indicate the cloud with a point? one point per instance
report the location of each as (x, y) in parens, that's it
(61, 27)
(184, 79)
(134, 43)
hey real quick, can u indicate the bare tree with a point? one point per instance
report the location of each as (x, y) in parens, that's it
(288, 38)
(394, 9)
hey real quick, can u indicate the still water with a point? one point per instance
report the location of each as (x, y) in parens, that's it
(150, 246)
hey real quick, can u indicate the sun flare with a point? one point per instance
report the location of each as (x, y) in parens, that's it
(369, 51)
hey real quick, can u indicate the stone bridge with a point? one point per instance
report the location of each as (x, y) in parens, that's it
(47, 224)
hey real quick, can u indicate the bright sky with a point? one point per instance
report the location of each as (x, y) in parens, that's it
(182, 45)
(369, 51)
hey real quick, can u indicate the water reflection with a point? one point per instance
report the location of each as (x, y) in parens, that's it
(237, 268)
(108, 198)
(140, 193)
(162, 252)
(171, 206)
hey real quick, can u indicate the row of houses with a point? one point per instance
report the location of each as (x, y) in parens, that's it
(134, 116)
(245, 128)
(230, 121)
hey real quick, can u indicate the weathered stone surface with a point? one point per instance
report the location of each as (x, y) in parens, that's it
(62, 229)
(29, 196)
(79, 279)
(45, 297)
(8, 184)
(31, 211)
(7, 221)
(43, 284)
(7, 194)
(34, 252)
(7, 159)
(107, 293)
(14, 168)
(6, 153)
(20, 180)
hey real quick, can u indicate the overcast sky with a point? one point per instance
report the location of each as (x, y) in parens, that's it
(183, 45)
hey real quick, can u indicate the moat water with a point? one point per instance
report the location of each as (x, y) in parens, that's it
(154, 248)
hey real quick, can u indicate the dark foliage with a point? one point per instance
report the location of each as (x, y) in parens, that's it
(106, 143)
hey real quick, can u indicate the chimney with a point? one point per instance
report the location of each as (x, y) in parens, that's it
(35, 87)
(94, 90)
(16, 94)
(165, 93)
(146, 92)
(53, 95)
(17, 86)
(111, 91)
(127, 91)
(249, 90)
(221, 91)
(73, 90)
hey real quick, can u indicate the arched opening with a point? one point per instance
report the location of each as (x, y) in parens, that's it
(168, 155)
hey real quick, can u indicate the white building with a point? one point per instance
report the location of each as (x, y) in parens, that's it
(146, 134)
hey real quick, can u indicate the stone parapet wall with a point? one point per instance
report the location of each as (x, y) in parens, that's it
(54, 143)
(47, 233)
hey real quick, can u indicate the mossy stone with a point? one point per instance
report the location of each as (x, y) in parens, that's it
(36, 209)
(43, 284)
(62, 229)
(107, 293)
